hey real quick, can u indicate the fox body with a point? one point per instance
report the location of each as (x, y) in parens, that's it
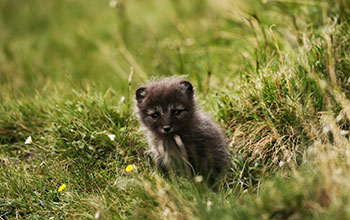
(180, 136)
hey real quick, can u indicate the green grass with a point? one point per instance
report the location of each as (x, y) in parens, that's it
(273, 74)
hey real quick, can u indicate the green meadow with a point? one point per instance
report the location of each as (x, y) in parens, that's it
(274, 74)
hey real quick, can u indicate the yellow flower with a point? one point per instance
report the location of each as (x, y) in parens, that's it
(129, 168)
(62, 187)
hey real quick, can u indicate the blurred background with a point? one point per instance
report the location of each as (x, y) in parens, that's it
(60, 44)
(63, 44)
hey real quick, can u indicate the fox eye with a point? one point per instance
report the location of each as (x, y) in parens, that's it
(155, 115)
(177, 112)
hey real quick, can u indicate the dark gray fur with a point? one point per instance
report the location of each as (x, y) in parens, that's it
(170, 103)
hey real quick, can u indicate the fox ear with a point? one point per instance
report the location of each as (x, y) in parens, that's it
(187, 88)
(140, 94)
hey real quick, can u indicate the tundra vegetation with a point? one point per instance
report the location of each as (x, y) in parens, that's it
(274, 74)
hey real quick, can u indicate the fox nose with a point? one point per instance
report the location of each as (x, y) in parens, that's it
(166, 128)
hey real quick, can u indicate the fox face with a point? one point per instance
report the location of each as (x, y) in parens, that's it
(166, 107)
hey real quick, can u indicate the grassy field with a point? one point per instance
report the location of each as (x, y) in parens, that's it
(275, 74)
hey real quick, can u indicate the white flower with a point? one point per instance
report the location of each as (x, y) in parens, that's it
(209, 204)
(198, 179)
(113, 4)
(97, 215)
(281, 163)
(326, 129)
(166, 212)
(344, 132)
(29, 140)
(111, 136)
(122, 99)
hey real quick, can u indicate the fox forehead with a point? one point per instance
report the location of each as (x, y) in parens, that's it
(176, 106)
(161, 109)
